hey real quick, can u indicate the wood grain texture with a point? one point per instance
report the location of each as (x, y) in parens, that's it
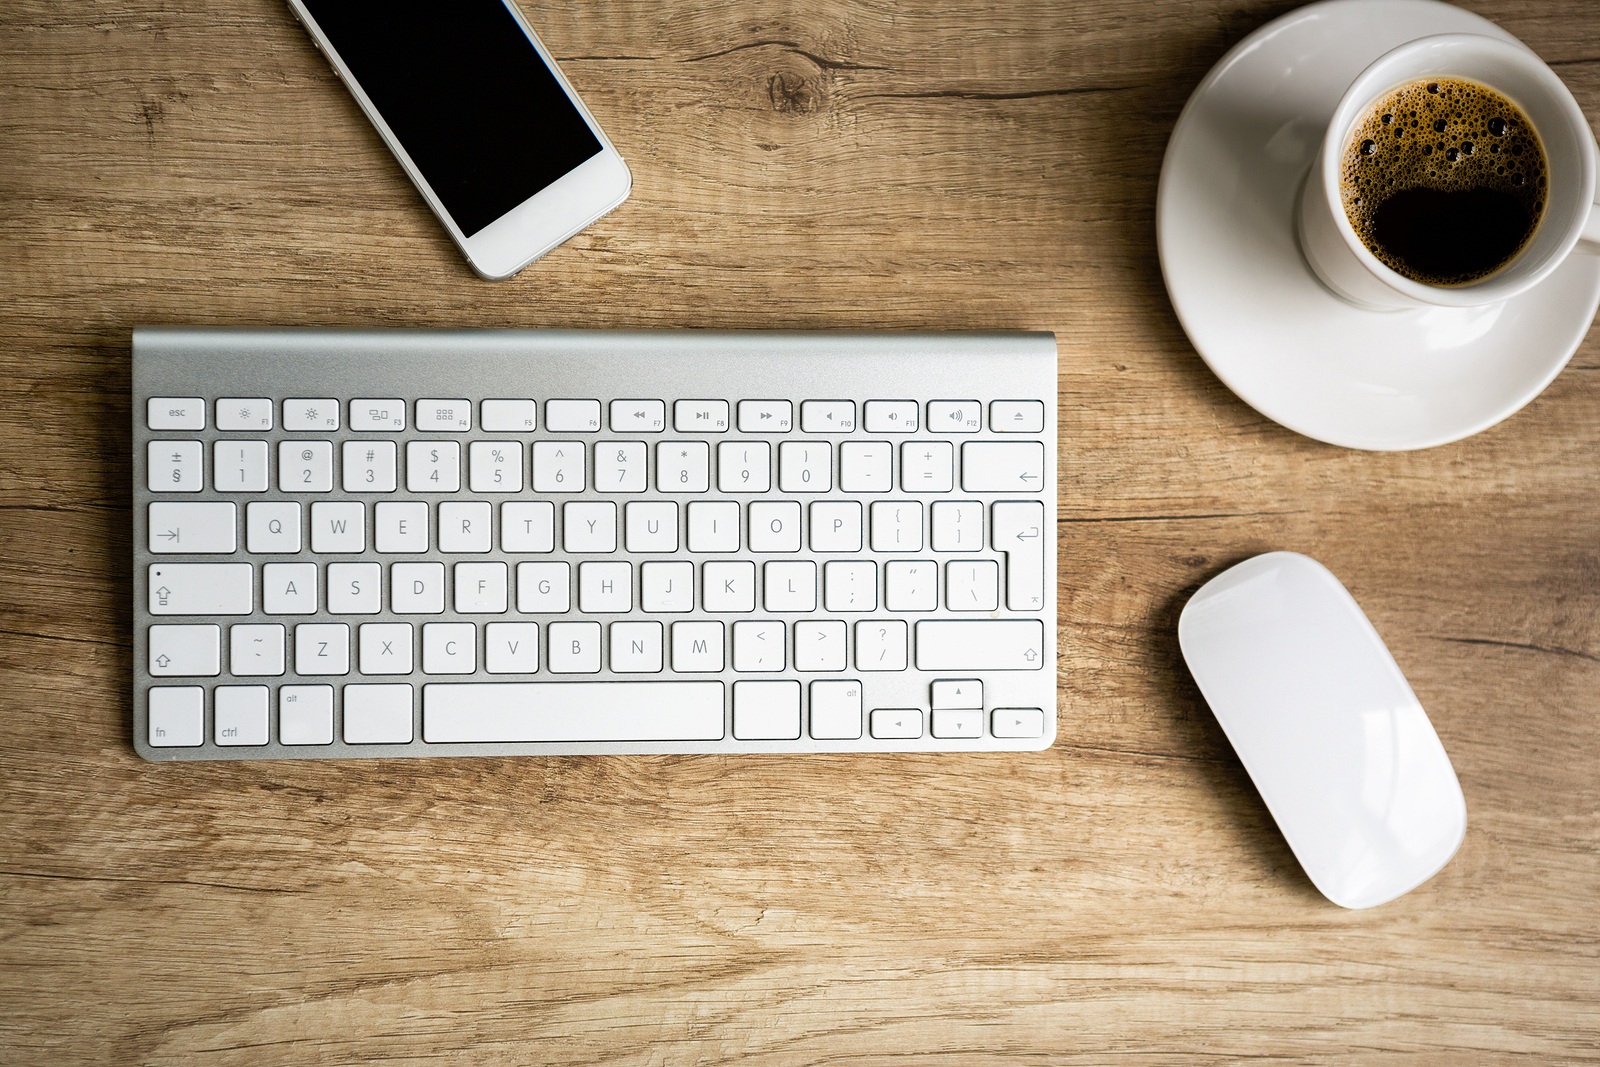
(1123, 897)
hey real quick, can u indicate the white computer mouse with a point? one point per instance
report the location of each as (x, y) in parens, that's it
(1327, 726)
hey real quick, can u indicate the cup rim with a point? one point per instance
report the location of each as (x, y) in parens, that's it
(1372, 82)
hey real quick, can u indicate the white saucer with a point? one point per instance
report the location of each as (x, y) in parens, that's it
(1254, 311)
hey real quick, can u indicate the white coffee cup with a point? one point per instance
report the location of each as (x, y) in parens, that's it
(1571, 220)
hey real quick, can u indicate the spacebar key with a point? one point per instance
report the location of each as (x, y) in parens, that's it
(487, 712)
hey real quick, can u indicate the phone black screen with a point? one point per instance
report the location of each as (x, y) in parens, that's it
(468, 96)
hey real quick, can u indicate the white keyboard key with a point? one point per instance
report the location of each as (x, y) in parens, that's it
(961, 693)
(495, 466)
(805, 467)
(766, 711)
(338, 526)
(927, 467)
(666, 586)
(828, 416)
(175, 413)
(302, 415)
(572, 711)
(177, 716)
(683, 467)
(178, 651)
(957, 722)
(449, 648)
(239, 466)
(377, 416)
(744, 467)
(385, 648)
(305, 715)
(636, 647)
(697, 647)
(1016, 416)
(911, 585)
(241, 714)
(244, 413)
(574, 647)
(544, 588)
(255, 650)
(881, 645)
(955, 416)
(821, 646)
(638, 416)
(508, 416)
(289, 588)
(192, 528)
(558, 467)
(652, 526)
(896, 526)
(849, 585)
(321, 648)
(836, 709)
(758, 647)
(511, 647)
(605, 588)
(572, 416)
(433, 466)
(979, 644)
(896, 723)
(369, 467)
(866, 466)
(481, 588)
(400, 526)
(1002, 466)
(774, 526)
(619, 467)
(416, 588)
(527, 526)
(763, 416)
(1017, 722)
(836, 526)
(378, 714)
(713, 526)
(466, 526)
(202, 588)
(305, 466)
(1019, 533)
(355, 588)
(972, 585)
(957, 526)
(444, 416)
(272, 526)
(700, 416)
(892, 416)
(790, 585)
(729, 586)
(174, 467)
(589, 526)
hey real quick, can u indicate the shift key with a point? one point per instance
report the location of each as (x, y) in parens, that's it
(980, 645)
(201, 588)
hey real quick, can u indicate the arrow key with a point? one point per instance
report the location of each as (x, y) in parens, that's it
(1017, 722)
(896, 723)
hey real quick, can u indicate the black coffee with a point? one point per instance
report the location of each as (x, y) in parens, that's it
(1444, 180)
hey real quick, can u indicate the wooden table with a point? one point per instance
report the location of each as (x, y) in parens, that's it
(1123, 897)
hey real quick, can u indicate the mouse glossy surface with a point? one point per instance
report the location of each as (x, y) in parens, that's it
(1327, 726)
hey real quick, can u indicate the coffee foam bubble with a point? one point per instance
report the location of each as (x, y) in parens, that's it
(1445, 134)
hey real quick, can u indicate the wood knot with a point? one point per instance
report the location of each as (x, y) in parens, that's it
(794, 94)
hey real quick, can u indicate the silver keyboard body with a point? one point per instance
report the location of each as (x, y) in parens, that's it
(217, 675)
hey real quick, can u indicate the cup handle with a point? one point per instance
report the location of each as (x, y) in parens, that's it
(1590, 240)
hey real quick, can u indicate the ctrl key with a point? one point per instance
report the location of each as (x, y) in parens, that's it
(177, 716)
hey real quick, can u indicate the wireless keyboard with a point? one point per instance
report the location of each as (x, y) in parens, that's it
(443, 543)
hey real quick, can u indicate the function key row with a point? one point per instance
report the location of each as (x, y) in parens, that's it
(255, 414)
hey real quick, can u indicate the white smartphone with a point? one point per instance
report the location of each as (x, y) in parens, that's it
(473, 107)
